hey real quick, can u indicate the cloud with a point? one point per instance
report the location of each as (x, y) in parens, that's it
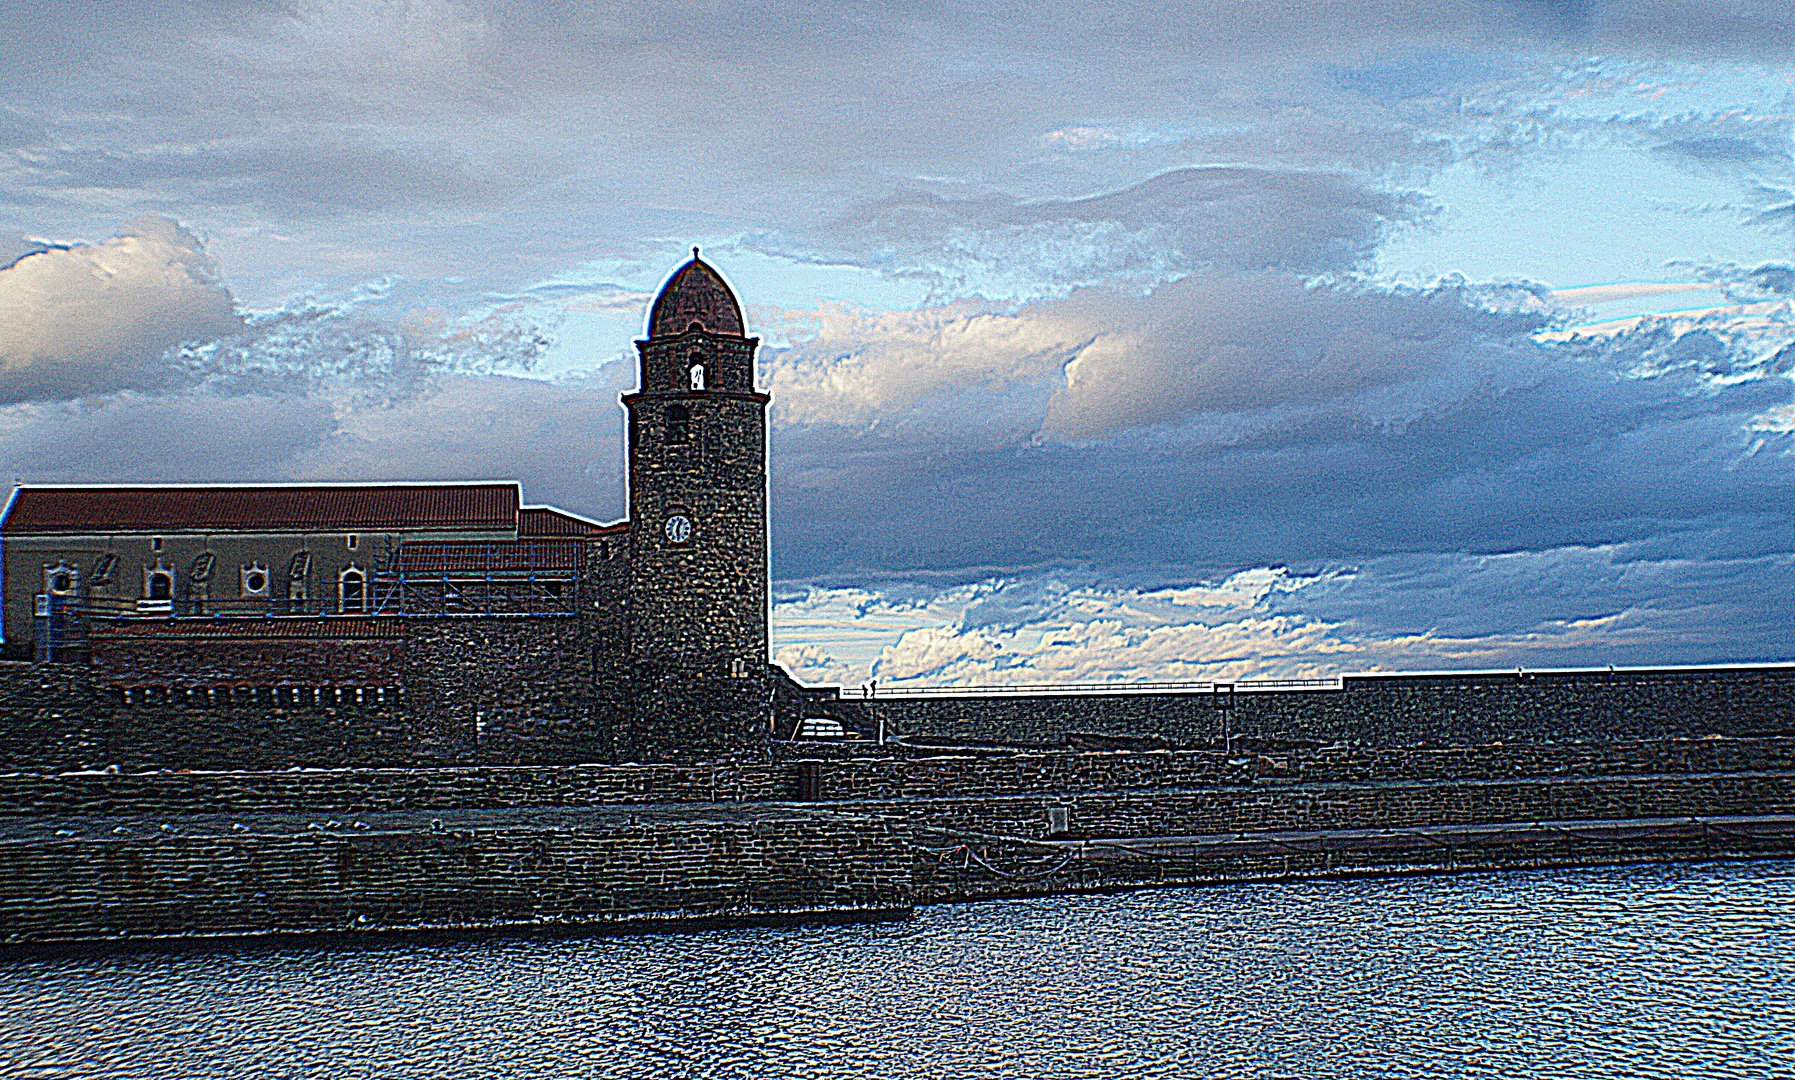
(147, 311)
(147, 438)
(1247, 420)
(1751, 284)
(310, 177)
(1100, 361)
(1168, 225)
(1185, 378)
(562, 438)
(92, 318)
(1233, 344)
(1589, 295)
(130, 360)
(349, 343)
(1042, 629)
(1566, 607)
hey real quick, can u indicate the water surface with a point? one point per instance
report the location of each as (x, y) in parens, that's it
(1666, 971)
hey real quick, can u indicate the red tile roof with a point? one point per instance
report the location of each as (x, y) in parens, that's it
(37, 511)
(333, 626)
(548, 521)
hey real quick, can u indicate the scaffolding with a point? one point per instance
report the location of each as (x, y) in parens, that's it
(528, 578)
(459, 577)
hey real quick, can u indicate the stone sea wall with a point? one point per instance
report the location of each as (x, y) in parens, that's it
(490, 690)
(108, 856)
(885, 778)
(933, 776)
(1002, 774)
(978, 871)
(1274, 806)
(1383, 710)
(614, 871)
(351, 790)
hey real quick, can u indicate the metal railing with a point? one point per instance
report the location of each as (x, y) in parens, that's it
(873, 691)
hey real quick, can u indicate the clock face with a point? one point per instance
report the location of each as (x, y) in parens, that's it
(679, 529)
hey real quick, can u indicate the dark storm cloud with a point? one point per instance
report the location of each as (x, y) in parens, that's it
(1445, 428)
(1468, 596)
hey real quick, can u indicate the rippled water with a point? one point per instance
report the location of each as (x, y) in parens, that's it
(1672, 971)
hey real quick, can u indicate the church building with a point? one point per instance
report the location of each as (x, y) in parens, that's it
(454, 610)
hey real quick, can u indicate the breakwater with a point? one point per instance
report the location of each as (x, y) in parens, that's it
(119, 856)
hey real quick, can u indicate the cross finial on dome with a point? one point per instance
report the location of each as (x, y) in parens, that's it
(694, 251)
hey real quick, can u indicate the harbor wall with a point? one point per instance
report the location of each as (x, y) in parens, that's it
(1381, 710)
(890, 776)
(615, 872)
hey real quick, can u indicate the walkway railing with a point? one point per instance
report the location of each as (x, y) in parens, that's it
(873, 691)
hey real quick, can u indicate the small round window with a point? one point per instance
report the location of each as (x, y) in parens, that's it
(256, 580)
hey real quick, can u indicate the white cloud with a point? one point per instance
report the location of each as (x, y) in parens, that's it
(92, 318)
(1562, 607)
(1587, 295)
(854, 367)
(1231, 218)
(1101, 361)
(1039, 629)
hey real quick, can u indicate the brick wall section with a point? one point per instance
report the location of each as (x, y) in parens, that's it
(1386, 710)
(617, 868)
(370, 653)
(188, 885)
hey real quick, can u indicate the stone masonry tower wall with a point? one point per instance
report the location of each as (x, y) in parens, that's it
(698, 510)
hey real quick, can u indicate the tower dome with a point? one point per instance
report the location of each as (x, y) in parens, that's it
(695, 296)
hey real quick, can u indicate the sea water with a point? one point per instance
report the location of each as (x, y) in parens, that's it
(1649, 971)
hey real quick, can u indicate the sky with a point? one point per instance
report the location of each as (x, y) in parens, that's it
(1107, 342)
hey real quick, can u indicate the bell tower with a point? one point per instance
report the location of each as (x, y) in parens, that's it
(698, 512)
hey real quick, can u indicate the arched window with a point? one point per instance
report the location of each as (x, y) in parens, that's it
(159, 585)
(352, 591)
(298, 570)
(677, 420)
(697, 376)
